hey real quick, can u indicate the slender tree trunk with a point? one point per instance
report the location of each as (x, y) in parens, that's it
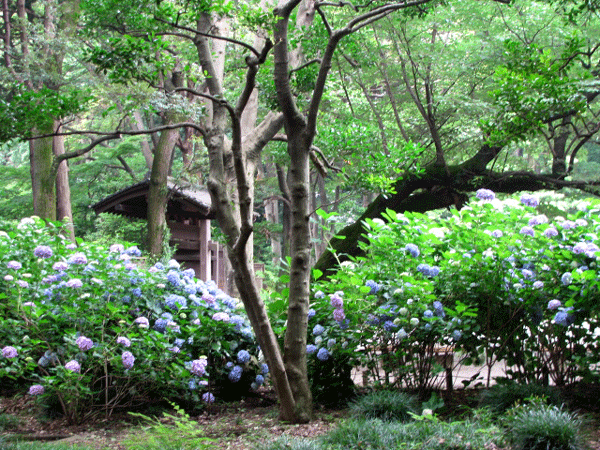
(64, 211)
(158, 193)
(297, 319)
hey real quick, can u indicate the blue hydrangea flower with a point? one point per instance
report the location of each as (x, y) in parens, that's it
(310, 349)
(373, 285)
(173, 278)
(323, 354)
(243, 356)
(160, 325)
(318, 330)
(175, 301)
(413, 250)
(236, 374)
(133, 251)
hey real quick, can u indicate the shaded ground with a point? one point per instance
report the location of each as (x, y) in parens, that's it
(241, 425)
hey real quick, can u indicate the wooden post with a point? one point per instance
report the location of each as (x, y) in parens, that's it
(204, 256)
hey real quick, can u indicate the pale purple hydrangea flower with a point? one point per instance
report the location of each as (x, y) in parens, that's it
(10, 352)
(15, 265)
(60, 266)
(42, 251)
(124, 341)
(36, 389)
(485, 194)
(142, 322)
(527, 230)
(198, 366)
(339, 315)
(221, 317)
(337, 301)
(74, 283)
(78, 258)
(538, 220)
(128, 359)
(117, 248)
(554, 304)
(208, 397)
(530, 200)
(84, 343)
(568, 224)
(73, 366)
(566, 278)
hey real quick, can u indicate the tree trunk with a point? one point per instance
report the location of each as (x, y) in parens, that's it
(64, 211)
(43, 181)
(158, 192)
(297, 318)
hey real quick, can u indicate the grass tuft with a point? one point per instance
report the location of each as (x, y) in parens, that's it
(538, 426)
(501, 397)
(385, 405)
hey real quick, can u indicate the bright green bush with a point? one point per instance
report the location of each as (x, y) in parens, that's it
(88, 328)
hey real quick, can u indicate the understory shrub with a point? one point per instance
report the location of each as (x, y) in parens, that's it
(538, 426)
(92, 329)
(385, 405)
(502, 396)
(494, 281)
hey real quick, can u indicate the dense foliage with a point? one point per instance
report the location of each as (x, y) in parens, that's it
(93, 329)
(494, 281)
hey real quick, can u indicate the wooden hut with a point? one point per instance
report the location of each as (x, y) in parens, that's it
(188, 218)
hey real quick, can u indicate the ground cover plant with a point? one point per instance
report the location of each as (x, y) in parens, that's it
(497, 280)
(89, 329)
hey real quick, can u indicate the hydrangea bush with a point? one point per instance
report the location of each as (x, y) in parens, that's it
(91, 329)
(494, 281)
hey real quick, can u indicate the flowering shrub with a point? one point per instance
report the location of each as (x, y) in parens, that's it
(91, 328)
(496, 280)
